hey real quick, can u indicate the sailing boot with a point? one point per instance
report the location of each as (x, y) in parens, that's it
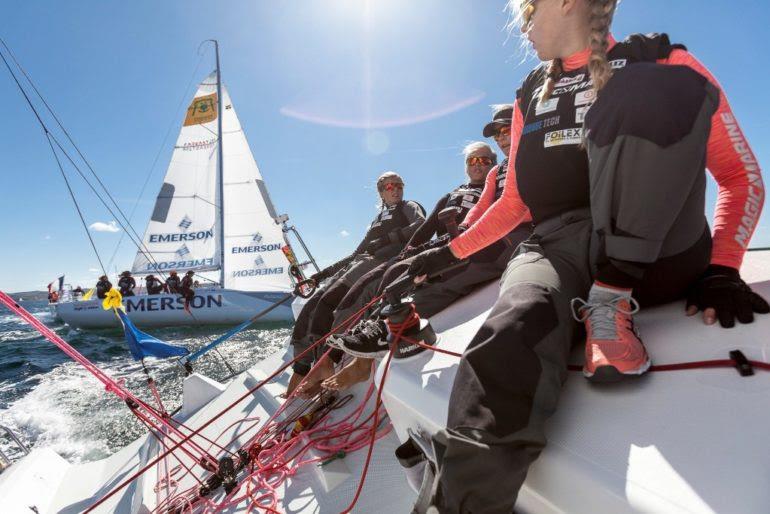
(613, 346)
(370, 342)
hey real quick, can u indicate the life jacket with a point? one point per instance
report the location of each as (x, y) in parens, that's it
(463, 199)
(389, 219)
(126, 284)
(551, 163)
(154, 286)
(186, 289)
(500, 173)
(102, 287)
(173, 283)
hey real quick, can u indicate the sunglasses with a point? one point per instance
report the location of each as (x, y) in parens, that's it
(473, 161)
(391, 186)
(503, 131)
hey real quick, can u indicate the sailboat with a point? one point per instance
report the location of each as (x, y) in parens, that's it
(213, 216)
(690, 441)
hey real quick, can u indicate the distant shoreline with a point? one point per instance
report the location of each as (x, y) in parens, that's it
(29, 296)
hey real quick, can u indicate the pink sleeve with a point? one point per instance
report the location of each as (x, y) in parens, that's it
(503, 215)
(487, 196)
(729, 158)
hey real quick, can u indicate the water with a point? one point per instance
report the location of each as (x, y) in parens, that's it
(50, 401)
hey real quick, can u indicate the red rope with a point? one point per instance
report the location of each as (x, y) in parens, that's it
(249, 393)
(378, 401)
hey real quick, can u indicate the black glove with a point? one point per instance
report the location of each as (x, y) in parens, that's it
(432, 261)
(721, 288)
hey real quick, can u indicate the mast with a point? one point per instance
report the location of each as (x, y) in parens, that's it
(220, 114)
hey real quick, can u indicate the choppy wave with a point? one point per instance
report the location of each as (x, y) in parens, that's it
(50, 401)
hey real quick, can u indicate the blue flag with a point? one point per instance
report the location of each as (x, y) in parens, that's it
(143, 345)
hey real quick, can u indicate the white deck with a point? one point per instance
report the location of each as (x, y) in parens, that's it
(681, 441)
(50, 484)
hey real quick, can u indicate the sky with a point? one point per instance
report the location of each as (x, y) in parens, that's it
(330, 93)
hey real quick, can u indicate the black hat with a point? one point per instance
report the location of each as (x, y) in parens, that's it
(149, 276)
(191, 272)
(502, 117)
(125, 274)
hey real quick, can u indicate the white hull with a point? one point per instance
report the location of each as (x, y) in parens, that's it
(675, 442)
(209, 307)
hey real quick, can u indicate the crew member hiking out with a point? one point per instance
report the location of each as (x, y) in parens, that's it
(173, 284)
(368, 338)
(153, 284)
(102, 287)
(126, 284)
(393, 226)
(187, 290)
(617, 195)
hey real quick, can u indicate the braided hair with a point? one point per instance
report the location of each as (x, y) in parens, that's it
(599, 68)
(601, 13)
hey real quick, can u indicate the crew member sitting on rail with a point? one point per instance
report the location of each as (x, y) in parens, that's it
(102, 287)
(153, 284)
(610, 142)
(126, 284)
(187, 290)
(393, 226)
(367, 339)
(173, 283)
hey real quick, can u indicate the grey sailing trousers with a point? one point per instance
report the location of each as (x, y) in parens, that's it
(646, 219)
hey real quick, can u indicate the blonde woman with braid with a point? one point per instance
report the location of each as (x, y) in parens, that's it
(610, 143)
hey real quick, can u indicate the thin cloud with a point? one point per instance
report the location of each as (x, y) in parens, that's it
(344, 233)
(100, 226)
(47, 237)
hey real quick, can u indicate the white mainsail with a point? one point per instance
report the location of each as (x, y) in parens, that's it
(184, 230)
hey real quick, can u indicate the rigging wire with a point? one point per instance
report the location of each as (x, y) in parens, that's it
(157, 155)
(138, 241)
(74, 201)
(49, 136)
